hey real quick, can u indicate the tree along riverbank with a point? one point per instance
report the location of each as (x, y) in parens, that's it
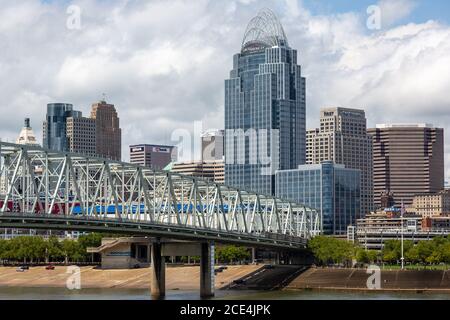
(35, 250)
(329, 251)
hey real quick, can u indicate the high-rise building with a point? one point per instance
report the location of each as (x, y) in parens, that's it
(343, 139)
(152, 156)
(408, 160)
(66, 130)
(108, 132)
(81, 135)
(54, 129)
(26, 135)
(332, 189)
(310, 136)
(211, 169)
(213, 145)
(264, 108)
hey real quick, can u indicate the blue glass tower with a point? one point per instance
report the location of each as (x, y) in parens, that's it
(264, 108)
(330, 188)
(54, 137)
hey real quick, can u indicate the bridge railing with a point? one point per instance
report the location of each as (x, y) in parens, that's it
(38, 181)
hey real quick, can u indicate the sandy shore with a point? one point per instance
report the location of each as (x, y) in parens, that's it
(182, 278)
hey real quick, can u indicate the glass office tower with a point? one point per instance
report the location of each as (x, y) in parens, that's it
(332, 189)
(264, 108)
(54, 133)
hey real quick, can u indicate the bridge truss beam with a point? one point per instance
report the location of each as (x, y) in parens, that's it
(39, 182)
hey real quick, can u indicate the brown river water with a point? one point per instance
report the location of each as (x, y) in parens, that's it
(142, 294)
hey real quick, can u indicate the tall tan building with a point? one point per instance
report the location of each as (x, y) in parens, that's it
(408, 160)
(310, 145)
(108, 132)
(81, 135)
(343, 139)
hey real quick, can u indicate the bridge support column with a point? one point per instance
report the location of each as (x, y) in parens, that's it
(207, 276)
(158, 270)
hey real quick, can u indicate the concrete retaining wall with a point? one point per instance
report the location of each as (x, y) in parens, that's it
(316, 278)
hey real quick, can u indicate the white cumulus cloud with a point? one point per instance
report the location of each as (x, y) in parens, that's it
(163, 63)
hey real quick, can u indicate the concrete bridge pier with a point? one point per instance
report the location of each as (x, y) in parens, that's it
(207, 276)
(253, 255)
(158, 270)
(178, 249)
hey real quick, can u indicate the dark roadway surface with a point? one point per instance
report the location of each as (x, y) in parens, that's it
(268, 277)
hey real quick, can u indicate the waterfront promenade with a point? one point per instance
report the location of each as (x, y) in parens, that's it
(178, 278)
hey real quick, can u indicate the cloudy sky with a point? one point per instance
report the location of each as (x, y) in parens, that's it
(163, 62)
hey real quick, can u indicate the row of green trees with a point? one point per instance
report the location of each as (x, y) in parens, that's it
(431, 252)
(35, 249)
(332, 251)
(224, 254)
(231, 254)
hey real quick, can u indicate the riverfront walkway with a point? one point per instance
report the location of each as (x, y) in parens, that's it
(182, 278)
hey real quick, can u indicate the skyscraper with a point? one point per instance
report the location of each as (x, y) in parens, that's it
(264, 108)
(108, 132)
(310, 150)
(343, 139)
(54, 129)
(66, 130)
(81, 135)
(408, 160)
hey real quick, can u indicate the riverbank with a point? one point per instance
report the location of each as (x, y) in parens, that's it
(185, 278)
(418, 281)
(177, 278)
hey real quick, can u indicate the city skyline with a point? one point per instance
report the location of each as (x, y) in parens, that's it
(239, 149)
(340, 71)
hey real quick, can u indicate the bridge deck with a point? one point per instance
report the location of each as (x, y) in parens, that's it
(44, 189)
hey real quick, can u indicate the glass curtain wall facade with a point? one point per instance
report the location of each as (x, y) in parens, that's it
(264, 108)
(54, 130)
(332, 189)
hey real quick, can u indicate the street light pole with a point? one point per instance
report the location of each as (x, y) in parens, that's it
(402, 210)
